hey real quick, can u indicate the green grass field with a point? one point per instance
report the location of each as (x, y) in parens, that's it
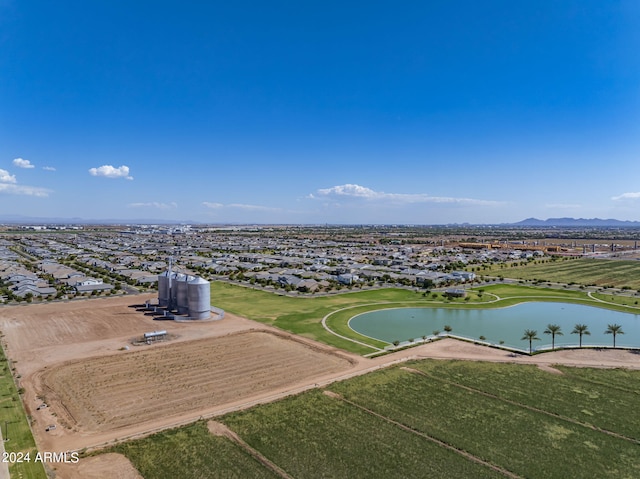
(191, 452)
(13, 418)
(425, 419)
(585, 271)
(303, 315)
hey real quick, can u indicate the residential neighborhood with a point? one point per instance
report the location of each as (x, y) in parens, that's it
(47, 264)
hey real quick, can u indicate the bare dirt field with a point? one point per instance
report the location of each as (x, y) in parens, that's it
(113, 466)
(39, 335)
(78, 358)
(112, 392)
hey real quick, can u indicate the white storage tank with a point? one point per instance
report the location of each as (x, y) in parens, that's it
(182, 296)
(163, 289)
(199, 291)
(155, 334)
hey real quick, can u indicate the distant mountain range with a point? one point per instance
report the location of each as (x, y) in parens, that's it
(529, 222)
(577, 222)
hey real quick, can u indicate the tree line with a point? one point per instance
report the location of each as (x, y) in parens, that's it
(580, 329)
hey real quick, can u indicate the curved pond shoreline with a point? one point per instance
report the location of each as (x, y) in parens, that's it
(502, 323)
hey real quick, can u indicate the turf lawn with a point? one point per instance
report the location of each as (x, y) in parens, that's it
(303, 315)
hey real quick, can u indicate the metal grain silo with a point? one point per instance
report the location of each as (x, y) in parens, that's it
(199, 291)
(175, 277)
(182, 296)
(163, 289)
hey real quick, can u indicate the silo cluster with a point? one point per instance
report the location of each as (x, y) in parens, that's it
(186, 294)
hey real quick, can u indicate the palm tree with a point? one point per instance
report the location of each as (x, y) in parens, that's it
(581, 329)
(614, 329)
(553, 330)
(530, 335)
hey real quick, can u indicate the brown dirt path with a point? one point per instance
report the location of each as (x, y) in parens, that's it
(112, 466)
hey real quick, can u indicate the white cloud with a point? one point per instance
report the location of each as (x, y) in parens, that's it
(5, 177)
(155, 204)
(239, 206)
(627, 196)
(8, 185)
(213, 206)
(20, 163)
(109, 171)
(23, 190)
(362, 192)
(48, 168)
(356, 191)
(252, 207)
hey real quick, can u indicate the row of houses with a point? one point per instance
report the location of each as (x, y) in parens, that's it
(309, 280)
(22, 282)
(296, 257)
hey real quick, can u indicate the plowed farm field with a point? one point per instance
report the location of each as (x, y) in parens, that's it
(83, 360)
(113, 392)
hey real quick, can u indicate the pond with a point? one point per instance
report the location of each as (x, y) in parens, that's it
(502, 324)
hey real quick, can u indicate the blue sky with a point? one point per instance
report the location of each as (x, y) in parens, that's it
(421, 112)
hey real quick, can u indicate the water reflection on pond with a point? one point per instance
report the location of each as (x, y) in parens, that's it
(502, 324)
